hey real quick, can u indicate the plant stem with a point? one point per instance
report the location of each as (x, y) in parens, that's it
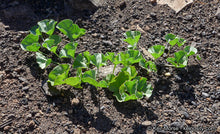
(114, 68)
(97, 71)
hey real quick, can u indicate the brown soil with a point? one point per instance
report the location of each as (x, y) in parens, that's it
(186, 102)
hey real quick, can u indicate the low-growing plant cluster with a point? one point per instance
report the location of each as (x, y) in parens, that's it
(126, 85)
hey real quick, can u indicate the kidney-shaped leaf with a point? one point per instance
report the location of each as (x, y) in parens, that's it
(69, 50)
(35, 30)
(171, 39)
(30, 43)
(156, 51)
(131, 70)
(148, 65)
(72, 31)
(73, 81)
(190, 50)
(80, 61)
(143, 87)
(132, 38)
(117, 81)
(180, 59)
(47, 26)
(90, 77)
(128, 91)
(98, 59)
(58, 74)
(42, 61)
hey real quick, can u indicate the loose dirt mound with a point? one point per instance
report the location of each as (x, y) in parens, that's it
(186, 102)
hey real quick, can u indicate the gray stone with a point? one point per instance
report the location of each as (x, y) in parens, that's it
(11, 116)
(177, 124)
(104, 71)
(205, 94)
(216, 106)
(186, 115)
(218, 13)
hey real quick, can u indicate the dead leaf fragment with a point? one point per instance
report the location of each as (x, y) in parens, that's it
(176, 5)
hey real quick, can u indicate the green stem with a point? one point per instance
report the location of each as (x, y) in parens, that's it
(55, 62)
(114, 68)
(97, 72)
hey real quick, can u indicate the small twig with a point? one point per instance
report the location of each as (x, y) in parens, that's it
(5, 123)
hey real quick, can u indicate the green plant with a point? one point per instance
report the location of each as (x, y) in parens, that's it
(180, 58)
(126, 85)
(42, 36)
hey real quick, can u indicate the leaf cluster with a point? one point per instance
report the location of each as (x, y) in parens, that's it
(180, 58)
(126, 85)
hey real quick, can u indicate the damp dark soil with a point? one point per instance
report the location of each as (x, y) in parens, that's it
(186, 102)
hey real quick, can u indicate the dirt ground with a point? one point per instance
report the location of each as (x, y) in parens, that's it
(187, 102)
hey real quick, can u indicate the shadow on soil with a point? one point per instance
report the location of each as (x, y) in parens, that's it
(22, 15)
(78, 114)
(185, 79)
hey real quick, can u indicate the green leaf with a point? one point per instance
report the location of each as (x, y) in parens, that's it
(198, 57)
(50, 45)
(35, 30)
(132, 38)
(59, 74)
(109, 78)
(156, 51)
(90, 77)
(190, 50)
(131, 70)
(110, 56)
(135, 89)
(171, 39)
(134, 56)
(117, 81)
(180, 59)
(72, 31)
(30, 43)
(149, 66)
(181, 42)
(87, 55)
(42, 61)
(143, 87)
(69, 50)
(103, 84)
(98, 59)
(80, 61)
(56, 38)
(128, 92)
(73, 81)
(47, 26)
(128, 57)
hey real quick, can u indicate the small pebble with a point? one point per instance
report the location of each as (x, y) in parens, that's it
(146, 123)
(25, 89)
(186, 115)
(206, 95)
(11, 116)
(153, 15)
(75, 101)
(31, 123)
(176, 124)
(6, 128)
(29, 116)
(218, 129)
(188, 122)
(167, 74)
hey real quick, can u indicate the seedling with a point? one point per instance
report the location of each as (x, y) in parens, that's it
(126, 85)
(180, 58)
